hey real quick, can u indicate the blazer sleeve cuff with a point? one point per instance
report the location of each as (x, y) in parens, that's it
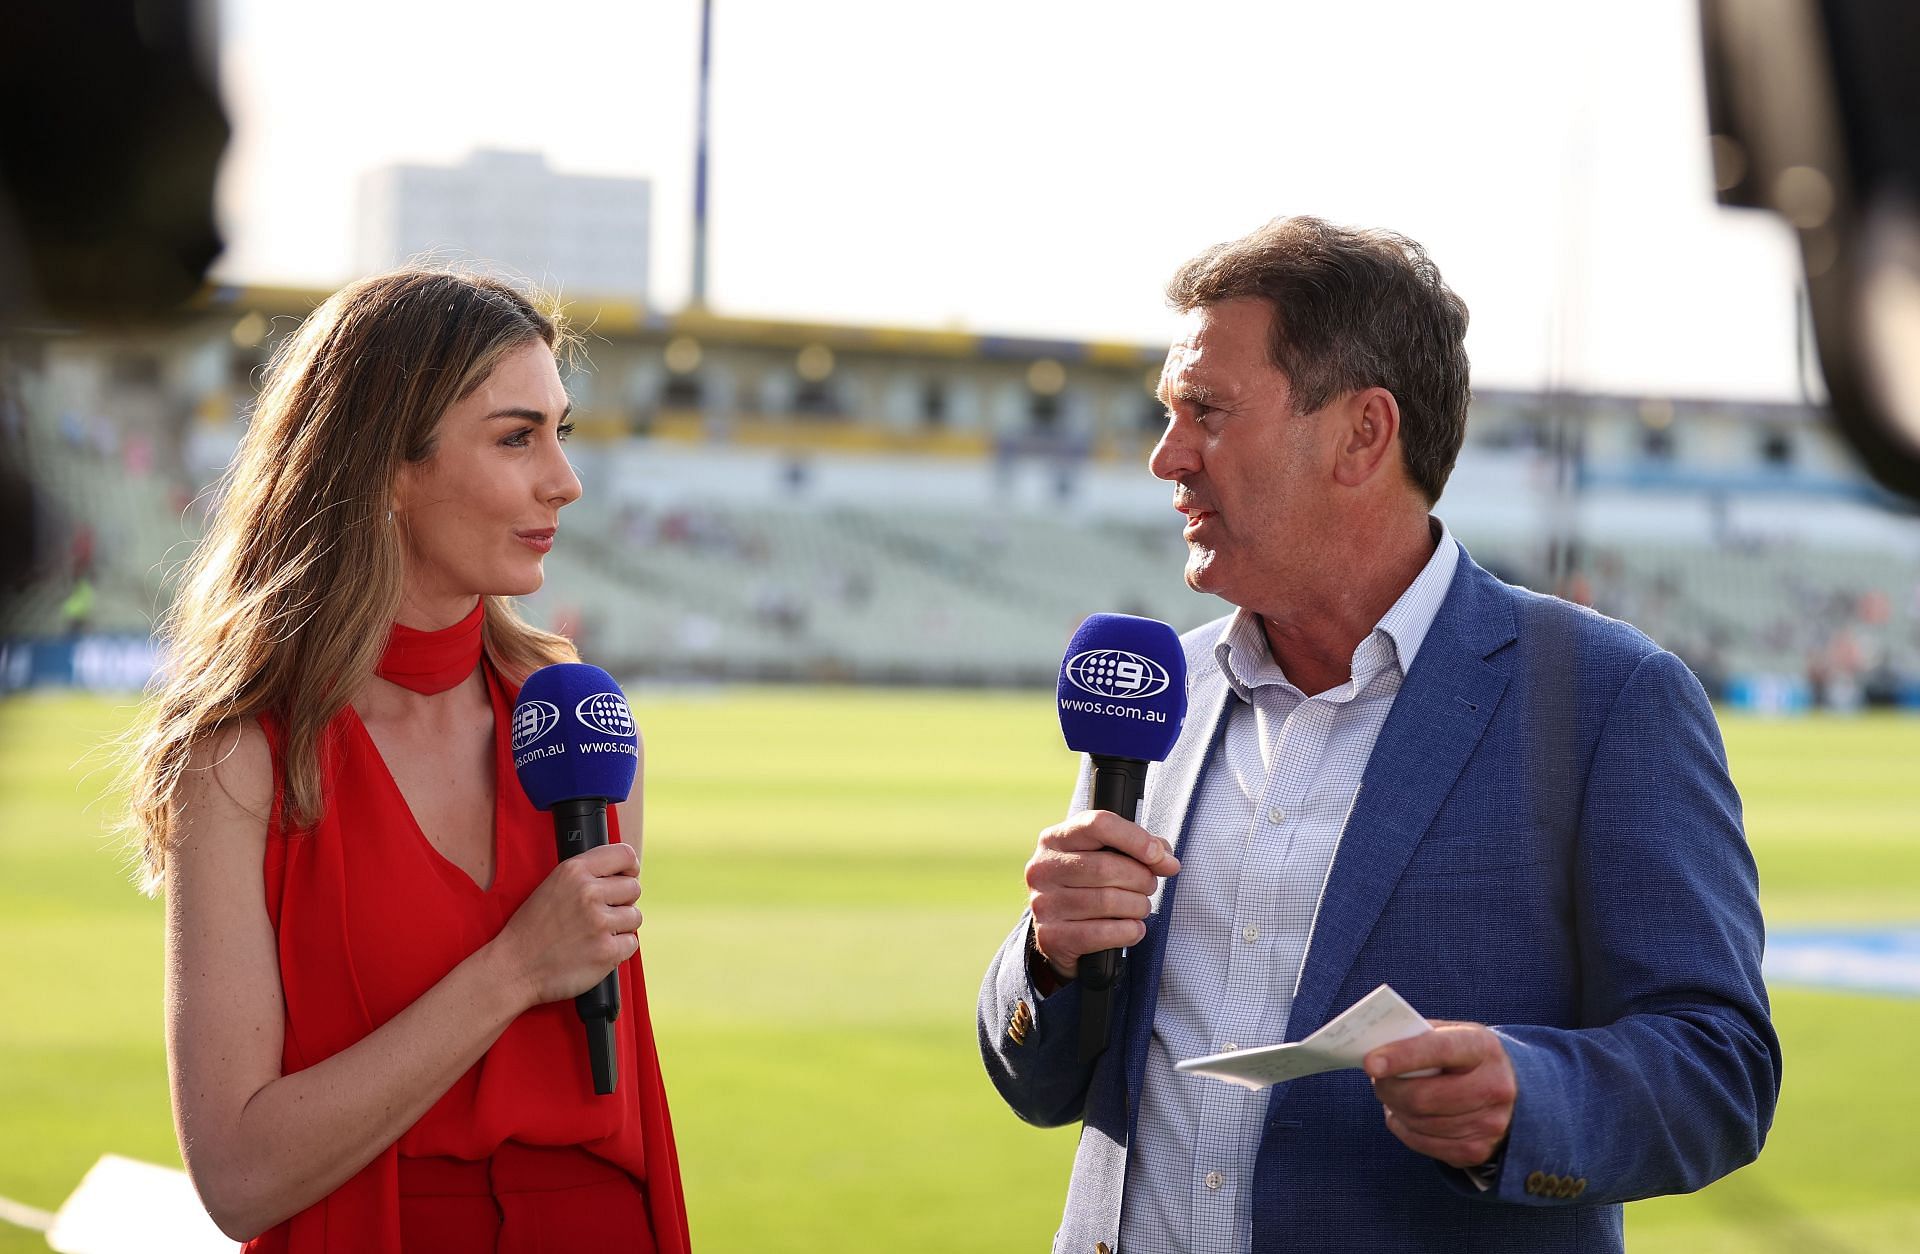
(1540, 1164)
(1047, 1015)
(1031, 1043)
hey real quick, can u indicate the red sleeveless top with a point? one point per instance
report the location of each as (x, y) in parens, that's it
(369, 915)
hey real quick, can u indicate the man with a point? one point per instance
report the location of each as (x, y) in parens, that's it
(1394, 769)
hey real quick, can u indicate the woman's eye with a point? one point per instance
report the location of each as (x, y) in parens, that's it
(523, 438)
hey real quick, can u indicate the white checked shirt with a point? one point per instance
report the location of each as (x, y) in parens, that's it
(1267, 817)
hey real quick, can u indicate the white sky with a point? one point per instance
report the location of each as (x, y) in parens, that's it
(1041, 166)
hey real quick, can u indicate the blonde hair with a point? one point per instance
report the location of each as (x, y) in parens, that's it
(286, 604)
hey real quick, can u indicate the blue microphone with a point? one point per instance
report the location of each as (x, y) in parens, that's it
(1122, 697)
(576, 750)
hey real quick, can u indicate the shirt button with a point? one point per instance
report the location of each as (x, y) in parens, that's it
(1214, 1179)
(1229, 1047)
(1249, 933)
(1276, 815)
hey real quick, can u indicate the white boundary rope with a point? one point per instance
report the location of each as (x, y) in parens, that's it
(21, 1215)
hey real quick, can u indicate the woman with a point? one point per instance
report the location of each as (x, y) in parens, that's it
(370, 949)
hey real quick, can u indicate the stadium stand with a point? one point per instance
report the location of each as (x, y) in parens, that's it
(964, 501)
(659, 581)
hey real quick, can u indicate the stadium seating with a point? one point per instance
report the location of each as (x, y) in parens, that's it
(920, 585)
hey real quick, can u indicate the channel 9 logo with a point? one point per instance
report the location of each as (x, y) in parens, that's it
(606, 713)
(1116, 673)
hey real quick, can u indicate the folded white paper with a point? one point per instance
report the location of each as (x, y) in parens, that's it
(1376, 1019)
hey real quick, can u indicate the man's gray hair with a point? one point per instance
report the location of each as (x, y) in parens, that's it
(1352, 309)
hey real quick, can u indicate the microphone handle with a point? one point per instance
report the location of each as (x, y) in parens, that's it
(1118, 784)
(578, 826)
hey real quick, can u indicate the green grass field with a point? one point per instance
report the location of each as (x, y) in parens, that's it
(827, 873)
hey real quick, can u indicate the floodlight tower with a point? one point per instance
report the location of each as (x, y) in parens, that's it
(698, 297)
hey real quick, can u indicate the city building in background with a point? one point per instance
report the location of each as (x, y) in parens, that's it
(572, 233)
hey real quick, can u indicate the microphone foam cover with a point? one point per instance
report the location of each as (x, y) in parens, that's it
(573, 736)
(1123, 688)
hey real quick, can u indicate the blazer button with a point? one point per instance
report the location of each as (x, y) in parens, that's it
(1100, 1247)
(1535, 1183)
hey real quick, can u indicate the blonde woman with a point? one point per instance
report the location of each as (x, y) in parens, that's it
(370, 948)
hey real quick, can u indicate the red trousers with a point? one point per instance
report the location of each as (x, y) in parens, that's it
(523, 1200)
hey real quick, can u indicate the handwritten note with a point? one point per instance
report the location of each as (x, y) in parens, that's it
(1376, 1019)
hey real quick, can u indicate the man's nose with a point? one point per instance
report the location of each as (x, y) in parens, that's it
(1175, 456)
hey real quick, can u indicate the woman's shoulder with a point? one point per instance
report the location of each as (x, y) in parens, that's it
(230, 776)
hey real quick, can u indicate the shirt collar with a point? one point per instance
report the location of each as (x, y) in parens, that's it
(1411, 617)
(1247, 661)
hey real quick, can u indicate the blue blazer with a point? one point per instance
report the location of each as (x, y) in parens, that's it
(1545, 840)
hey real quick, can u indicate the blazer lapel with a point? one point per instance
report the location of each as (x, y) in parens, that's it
(1170, 789)
(1171, 784)
(1437, 720)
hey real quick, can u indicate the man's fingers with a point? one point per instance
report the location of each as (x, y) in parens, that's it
(1444, 1095)
(1074, 904)
(1471, 1122)
(1480, 1123)
(1092, 868)
(1459, 1115)
(1064, 944)
(1449, 1047)
(1095, 829)
(1468, 1151)
(1091, 880)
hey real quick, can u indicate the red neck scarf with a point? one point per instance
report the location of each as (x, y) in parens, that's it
(432, 661)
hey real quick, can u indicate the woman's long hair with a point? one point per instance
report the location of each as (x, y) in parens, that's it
(286, 604)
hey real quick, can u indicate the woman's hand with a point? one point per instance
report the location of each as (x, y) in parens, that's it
(578, 925)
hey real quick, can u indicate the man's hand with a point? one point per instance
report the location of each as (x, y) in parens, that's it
(1459, 1115)
(1090, 883)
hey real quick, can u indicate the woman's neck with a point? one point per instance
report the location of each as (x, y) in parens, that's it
(434, 613)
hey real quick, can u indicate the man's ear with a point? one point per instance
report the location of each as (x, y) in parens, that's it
(1370, 439)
